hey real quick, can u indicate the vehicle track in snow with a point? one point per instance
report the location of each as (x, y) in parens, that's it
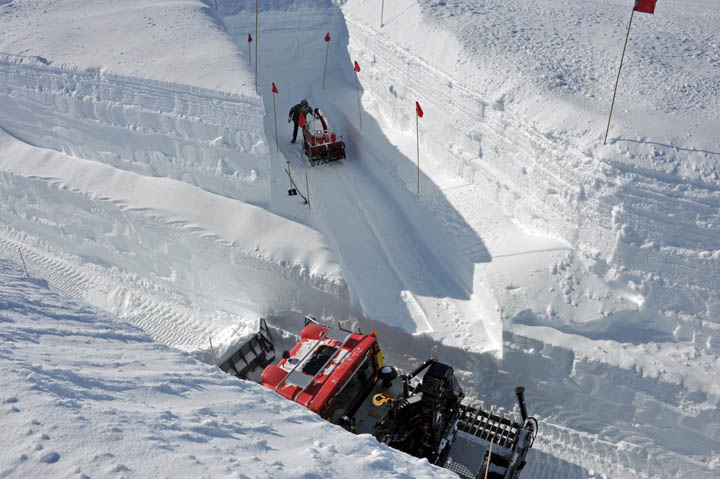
(376, 239)
(402, 268)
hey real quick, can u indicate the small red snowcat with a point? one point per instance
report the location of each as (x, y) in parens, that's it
(320, 143)
(341, 375)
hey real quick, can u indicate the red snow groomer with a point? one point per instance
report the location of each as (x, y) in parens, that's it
(341, 375)
(320, 143)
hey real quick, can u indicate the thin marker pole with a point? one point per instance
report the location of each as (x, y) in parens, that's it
(327, 50)
(250, 53)
(622, 58)
(256, 42)
(307, 185)
(23, 263)
(382, 11)
(212, 351)
(417, 135)
(357, 79)
(293, 184)
(277, 143)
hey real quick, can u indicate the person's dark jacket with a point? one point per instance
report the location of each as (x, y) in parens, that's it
(297, 109)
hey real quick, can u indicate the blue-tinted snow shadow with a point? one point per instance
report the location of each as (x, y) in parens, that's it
(448, 246)
(633, 327)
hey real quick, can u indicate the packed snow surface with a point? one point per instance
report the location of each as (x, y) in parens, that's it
(139, 172)
(177, 41)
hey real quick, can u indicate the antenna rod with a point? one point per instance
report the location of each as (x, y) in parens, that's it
(520, 392)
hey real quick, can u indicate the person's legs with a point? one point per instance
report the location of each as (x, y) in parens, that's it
(295, 128)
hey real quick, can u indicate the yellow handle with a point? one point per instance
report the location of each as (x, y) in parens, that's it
(383, 398)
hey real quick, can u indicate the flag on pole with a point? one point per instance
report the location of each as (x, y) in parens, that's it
(275, 90)
(249, 46)
(357, 80)
(302, 121)
(645, 6)
(327, 50)
(419, 114)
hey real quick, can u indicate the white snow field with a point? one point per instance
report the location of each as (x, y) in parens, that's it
(139, 174)
(85, 395)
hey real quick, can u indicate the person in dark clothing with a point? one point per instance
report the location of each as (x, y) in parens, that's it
(294, 115)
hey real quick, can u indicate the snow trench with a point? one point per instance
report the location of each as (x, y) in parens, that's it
(104, 181)
(402, 266)
(607, 409)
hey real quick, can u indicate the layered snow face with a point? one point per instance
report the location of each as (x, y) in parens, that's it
(84, 394)
(515, 99)
(95, 80)
(403, 268)
(200, 136)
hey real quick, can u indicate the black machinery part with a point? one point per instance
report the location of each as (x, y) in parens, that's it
(430, 421)
(252, 357)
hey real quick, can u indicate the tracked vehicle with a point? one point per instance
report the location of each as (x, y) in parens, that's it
(320, 142)
(341, 375)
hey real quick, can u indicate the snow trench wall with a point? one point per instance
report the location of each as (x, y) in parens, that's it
(207, 138)
(175, 279)
(661, 231)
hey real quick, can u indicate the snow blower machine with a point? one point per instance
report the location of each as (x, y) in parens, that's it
(341, 376)
(320, 143)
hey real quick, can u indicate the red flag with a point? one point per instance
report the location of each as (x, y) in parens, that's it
(249, 38)
(357, 67)
(418, 110)
(645, 6)
(275, 90)
(327, 37)
(302, 121)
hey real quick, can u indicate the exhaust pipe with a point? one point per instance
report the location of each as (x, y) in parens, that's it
(520, 393)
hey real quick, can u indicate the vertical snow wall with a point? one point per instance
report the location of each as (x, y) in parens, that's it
(207, 138)
(657, 230)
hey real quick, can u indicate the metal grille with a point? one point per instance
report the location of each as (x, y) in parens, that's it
(487, 426)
